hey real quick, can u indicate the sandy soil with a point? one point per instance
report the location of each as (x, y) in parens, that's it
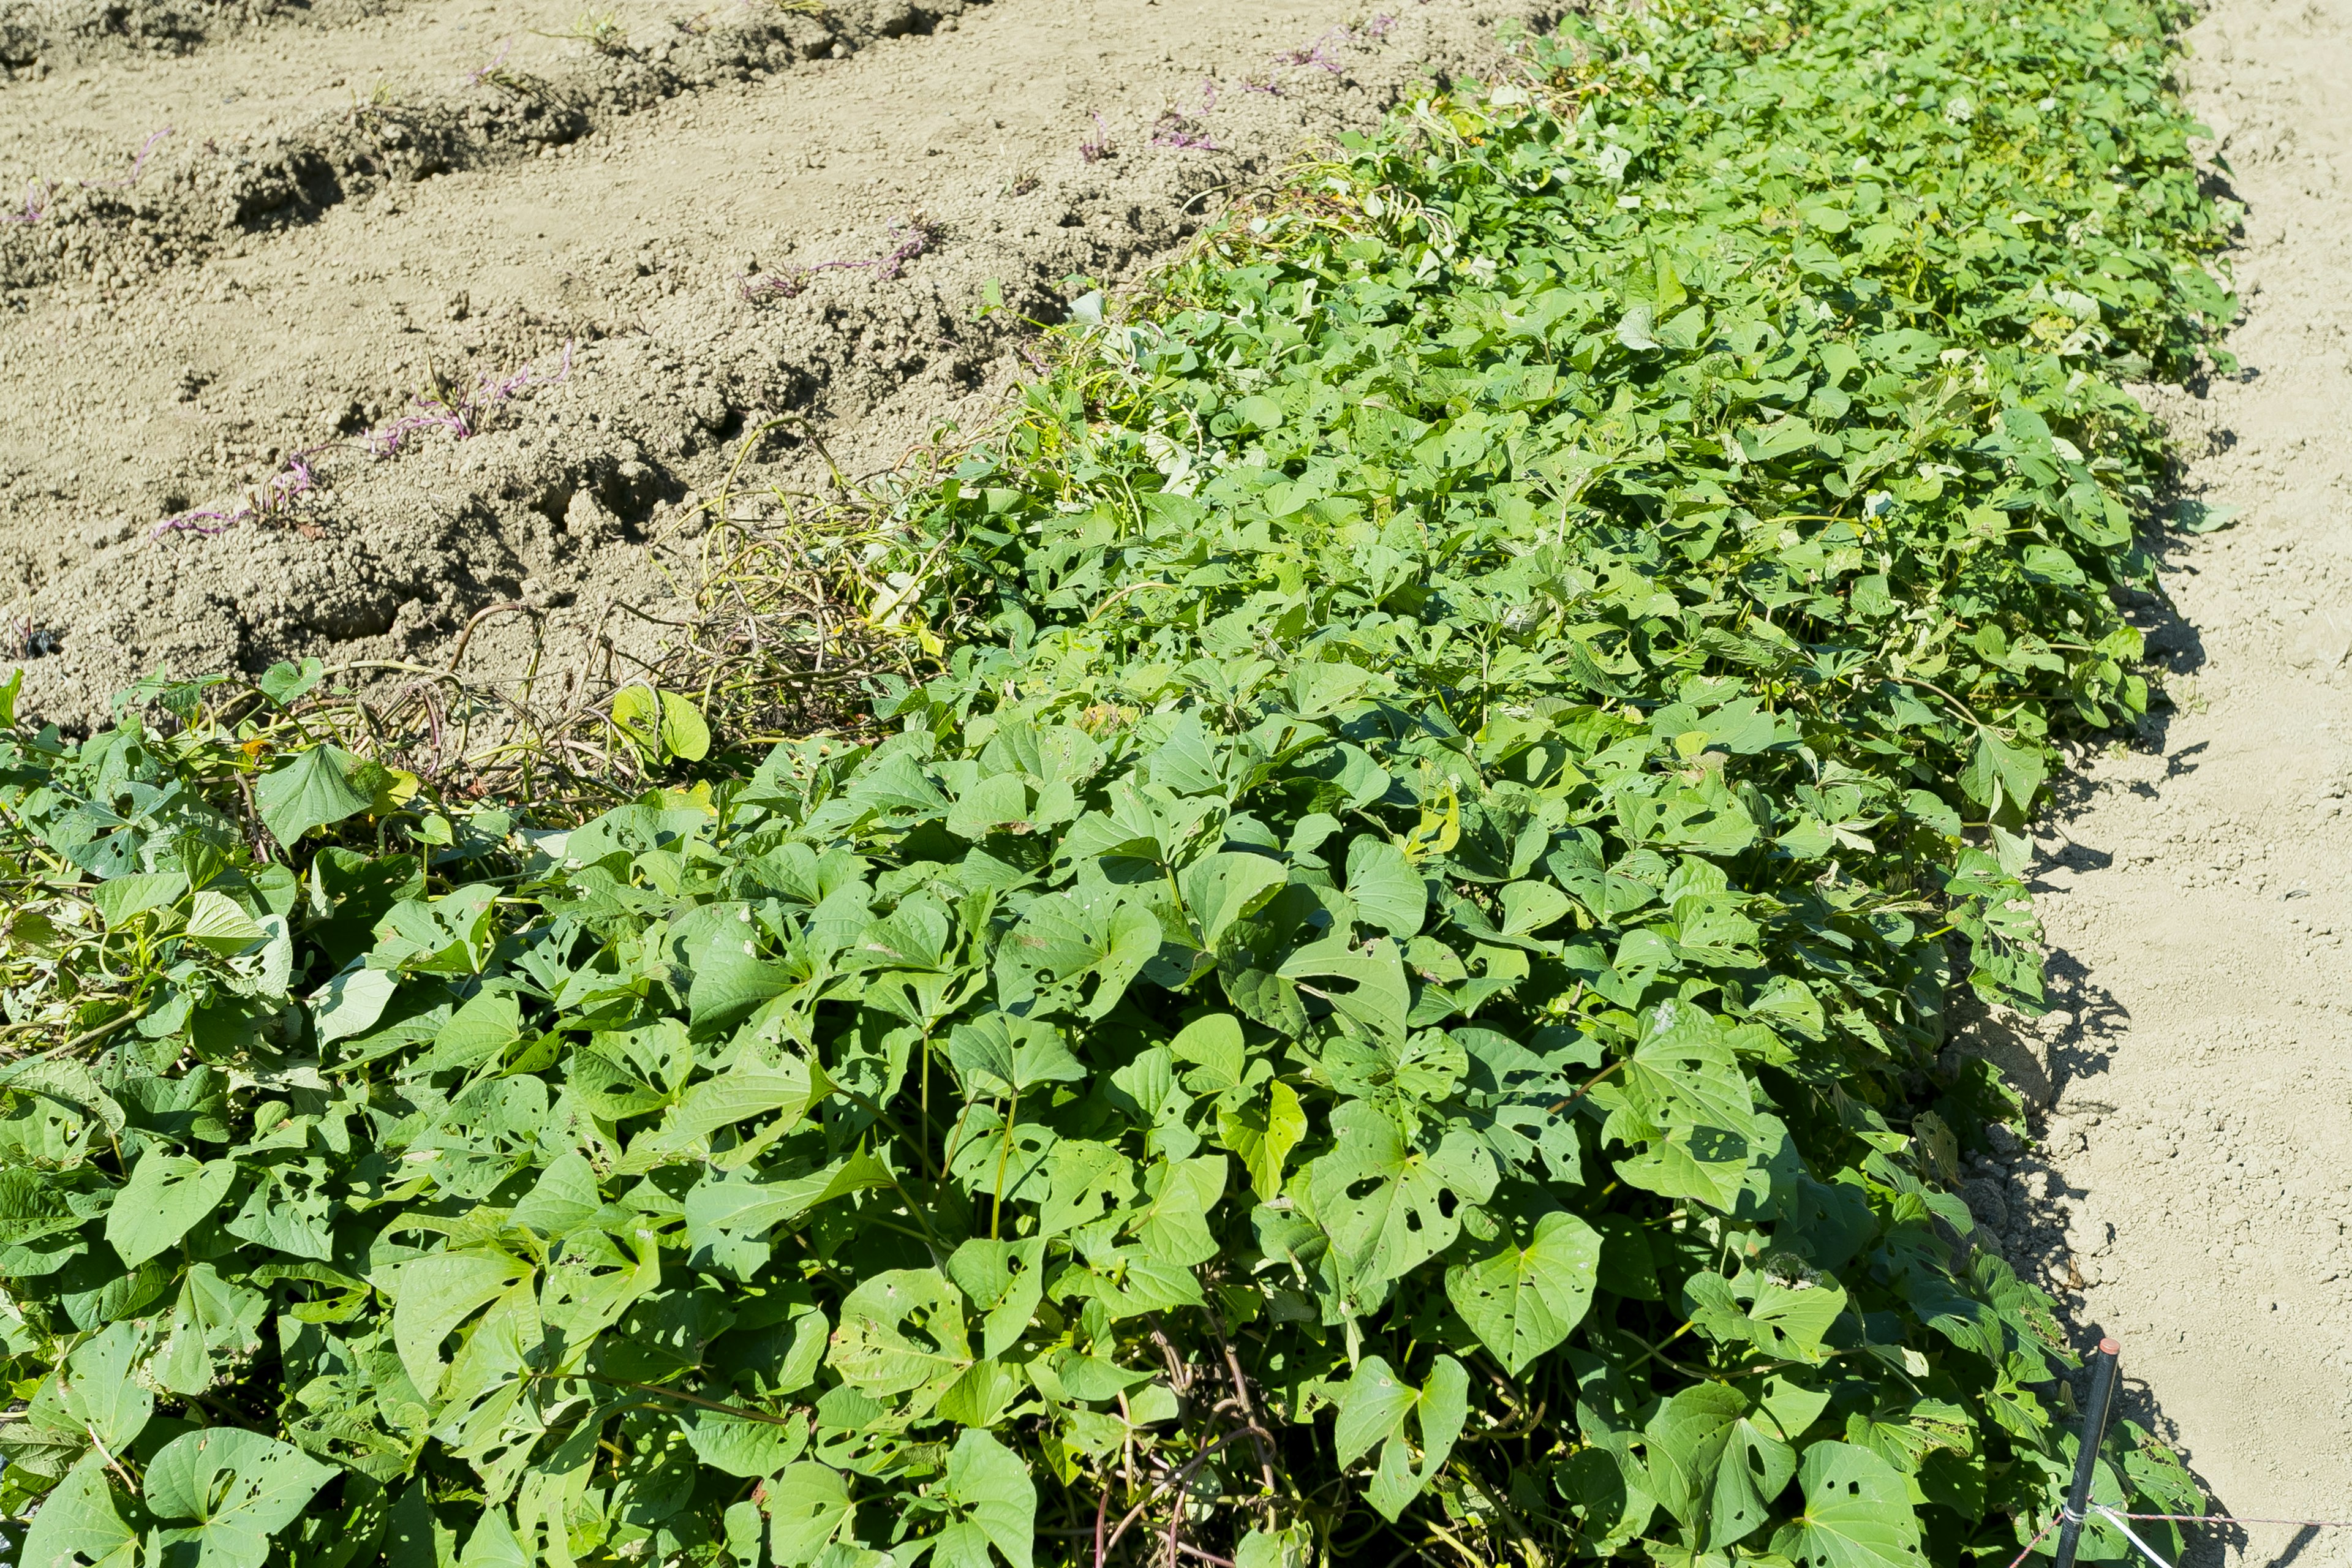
(2192, 1195)
(346, 213)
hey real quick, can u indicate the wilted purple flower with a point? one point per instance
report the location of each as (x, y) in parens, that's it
(461, 415)
(1173, 129)
(1096, 149)
(1318, 53)
(481, 74)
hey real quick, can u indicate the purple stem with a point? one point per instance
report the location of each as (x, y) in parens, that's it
(788, 284)
(138, 164)
(37, 203)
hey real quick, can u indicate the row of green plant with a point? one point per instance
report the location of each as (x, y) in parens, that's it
(1383, 999)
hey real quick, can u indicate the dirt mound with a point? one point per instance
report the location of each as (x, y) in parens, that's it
(861, 242)
(186, 204)
(39, 37)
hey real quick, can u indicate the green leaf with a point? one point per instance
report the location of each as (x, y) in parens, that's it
(1522, 1303)
(1388, 1204)
(493, 1544)
(1373, 1410)
(283, 682)
(990, 1487)
(80, 1521)
(661, 724)
(166, 1196)
(808, 1506)
(312, 789)
(435, 1294)
(350, 1003)
(1174, 1223)
(98, 1388)
(483, 1028)
(1857, 1514)
(1264, 1138)
(1388, 892)
(121, 899)
(1686, 1443)
(1225, 887)
(684, 733)
(238, 1488)
(216, 921)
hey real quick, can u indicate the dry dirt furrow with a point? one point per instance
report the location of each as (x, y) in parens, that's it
(126, 406)
(2198, 895)
(41, 38)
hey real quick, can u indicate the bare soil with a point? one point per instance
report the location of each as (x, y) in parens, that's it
(449, 195)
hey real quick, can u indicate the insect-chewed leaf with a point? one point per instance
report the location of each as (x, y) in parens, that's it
(80, 1520)
(1000, 1053)
(1388, 892)
(1857, 1514)
(991, 1489)
(1005, 1281)
(1365, 986)
(786, 1087)
(631, 1072)
(808, 1506)
(238, 1488)
(433, 1295)
(748, 1207)
(1373, 1410)
(1521, 1302)
(901, 1331)
(1388, 1204)
(721, 946)
(746, 1447)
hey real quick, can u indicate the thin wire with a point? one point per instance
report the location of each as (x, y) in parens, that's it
(2226, 1518)
(2030, 1545)
(2148, 1552)
(2144, 1549)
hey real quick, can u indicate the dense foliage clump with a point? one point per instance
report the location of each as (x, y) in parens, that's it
(1386, 999)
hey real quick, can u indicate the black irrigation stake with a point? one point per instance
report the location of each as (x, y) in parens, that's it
(2087, 1459)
